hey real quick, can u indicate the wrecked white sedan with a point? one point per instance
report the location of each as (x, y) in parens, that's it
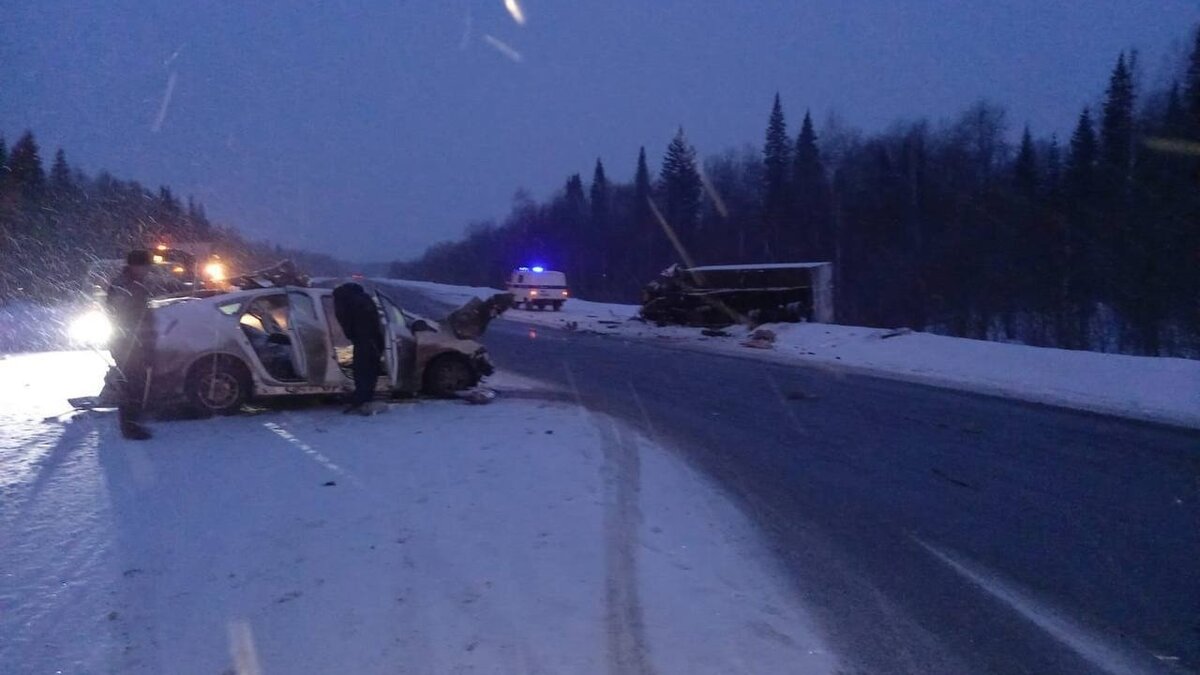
(216, 353)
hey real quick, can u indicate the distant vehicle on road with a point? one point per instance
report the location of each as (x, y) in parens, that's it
(538, 288)
(184, 268)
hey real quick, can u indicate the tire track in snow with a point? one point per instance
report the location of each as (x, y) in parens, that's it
(627, 651)
(626, 633)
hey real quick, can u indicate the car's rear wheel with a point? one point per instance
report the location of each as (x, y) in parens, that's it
(218, 386)
(448, 374)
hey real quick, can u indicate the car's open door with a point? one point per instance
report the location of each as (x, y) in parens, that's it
(401, 348)
(309, 341)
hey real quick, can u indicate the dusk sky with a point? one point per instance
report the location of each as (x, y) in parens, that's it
(370, 129)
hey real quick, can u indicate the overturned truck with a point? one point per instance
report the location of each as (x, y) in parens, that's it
(721, 295)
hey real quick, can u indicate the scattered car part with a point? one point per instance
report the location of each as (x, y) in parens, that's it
(471, 320)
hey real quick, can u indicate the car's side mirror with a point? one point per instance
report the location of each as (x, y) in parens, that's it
(279, 339)
(421, 325)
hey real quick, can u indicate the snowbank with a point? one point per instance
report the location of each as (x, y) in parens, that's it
(523, 536)
(1165, 390)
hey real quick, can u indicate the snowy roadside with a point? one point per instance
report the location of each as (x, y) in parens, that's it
(528, 535)
(1164, 390)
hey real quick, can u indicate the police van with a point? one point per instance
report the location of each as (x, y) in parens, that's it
(538, 287)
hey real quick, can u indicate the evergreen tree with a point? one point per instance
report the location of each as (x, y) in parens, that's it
(646, 231)
(1116, 129)
(1175, 119)
(599, 198)
(576, 200)
(1082, 240)
(1193, 86)
(644, 191)
(810, 186)
(571, 220)
(168, 202)
(1025, 173)
(1081, 163)
(60, 173)
(681, 187)
(1116, 242)
(25, 166)
(3, 156)
(776, 198)
(1026, 276)
(1162, 259)
(1053, 171)
(601, 239)
(1055, 280)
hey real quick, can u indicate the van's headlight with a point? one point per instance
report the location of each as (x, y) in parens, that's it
(92, 329)
(215, 271)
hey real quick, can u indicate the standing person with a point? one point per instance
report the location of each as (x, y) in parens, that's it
(359, 318)
(133, 341)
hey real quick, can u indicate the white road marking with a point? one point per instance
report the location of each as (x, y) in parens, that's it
(242, 650)
(312, 452)
(1109, 657)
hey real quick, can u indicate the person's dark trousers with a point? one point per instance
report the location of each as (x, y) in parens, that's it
(133, 390)
(366, 372)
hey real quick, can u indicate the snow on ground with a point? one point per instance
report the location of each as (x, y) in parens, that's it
(1156, 389)
(524, 536)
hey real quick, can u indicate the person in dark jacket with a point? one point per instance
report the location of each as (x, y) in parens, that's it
(359, 318)
(133, 341)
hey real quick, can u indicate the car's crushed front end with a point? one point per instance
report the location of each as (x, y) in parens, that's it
(481, 362)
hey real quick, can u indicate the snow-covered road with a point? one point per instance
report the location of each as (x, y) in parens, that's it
(525, 536)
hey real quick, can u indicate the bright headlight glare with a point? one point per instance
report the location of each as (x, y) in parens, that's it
(215, 271)
(92, 329)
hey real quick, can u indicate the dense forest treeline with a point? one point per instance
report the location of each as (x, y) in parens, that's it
(54, 223)
(1086, 242)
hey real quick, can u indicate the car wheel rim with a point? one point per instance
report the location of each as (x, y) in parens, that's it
(218, 390)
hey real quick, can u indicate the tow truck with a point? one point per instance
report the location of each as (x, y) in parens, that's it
(184, 268)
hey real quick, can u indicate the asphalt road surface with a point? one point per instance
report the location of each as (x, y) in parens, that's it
(930, 531)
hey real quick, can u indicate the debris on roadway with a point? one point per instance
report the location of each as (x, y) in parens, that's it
(761, 338)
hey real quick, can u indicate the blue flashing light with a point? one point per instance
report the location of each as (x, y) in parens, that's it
(522, 269)
(539, 269)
